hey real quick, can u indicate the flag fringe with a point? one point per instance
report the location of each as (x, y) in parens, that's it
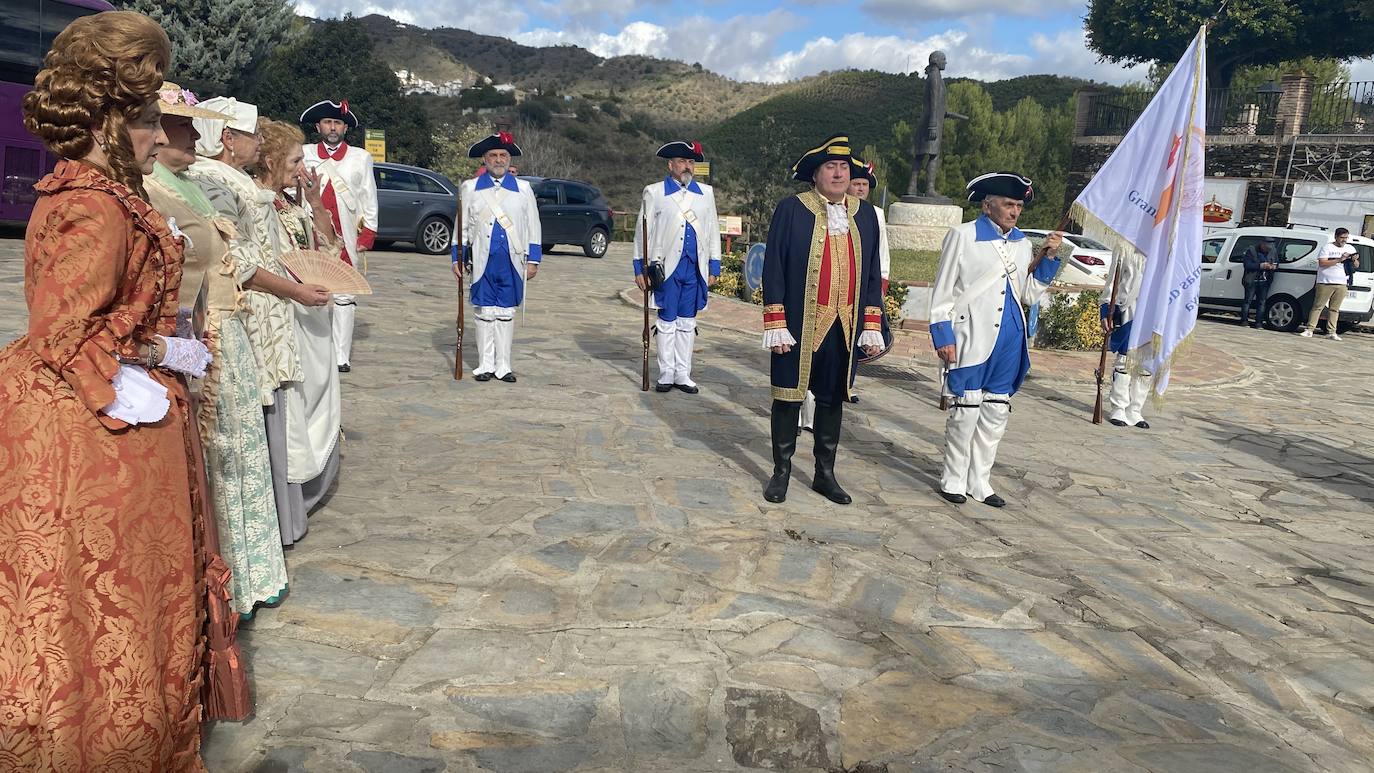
(1095, 227)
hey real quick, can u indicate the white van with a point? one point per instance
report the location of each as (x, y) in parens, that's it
(1291, 294)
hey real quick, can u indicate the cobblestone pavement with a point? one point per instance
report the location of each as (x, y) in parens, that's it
(569, 574)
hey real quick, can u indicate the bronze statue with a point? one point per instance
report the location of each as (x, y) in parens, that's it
(926, 143)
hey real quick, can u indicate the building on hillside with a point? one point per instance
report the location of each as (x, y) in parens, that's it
(1294, 152)
(412, 83)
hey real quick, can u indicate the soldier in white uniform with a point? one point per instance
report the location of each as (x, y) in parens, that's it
(501, 247)
(861, 182)
(978, 327)
(350, 195)
(684, 253)
(1129, 392)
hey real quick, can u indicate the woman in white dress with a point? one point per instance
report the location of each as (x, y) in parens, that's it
(313, 410)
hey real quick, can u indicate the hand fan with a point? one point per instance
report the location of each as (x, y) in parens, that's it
(322, 268)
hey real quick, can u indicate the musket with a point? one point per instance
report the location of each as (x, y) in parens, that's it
(458, 250)
(1106, 341)
(644, 360)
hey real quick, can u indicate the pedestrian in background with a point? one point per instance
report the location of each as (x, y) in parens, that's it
(1258, 277)
(1331, 286)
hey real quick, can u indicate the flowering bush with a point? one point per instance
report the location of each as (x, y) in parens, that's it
(1070, 323)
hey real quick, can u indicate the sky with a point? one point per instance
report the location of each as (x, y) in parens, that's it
(774, 41)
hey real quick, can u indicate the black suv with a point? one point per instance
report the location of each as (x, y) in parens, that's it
(415, 205)
(572, 212)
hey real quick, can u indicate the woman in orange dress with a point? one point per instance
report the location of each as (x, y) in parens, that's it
(102, 566)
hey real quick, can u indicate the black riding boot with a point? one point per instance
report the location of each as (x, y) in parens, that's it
(827, 431)
(784, 427)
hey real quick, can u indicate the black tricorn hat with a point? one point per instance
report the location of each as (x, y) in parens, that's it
(860, 168)
(329, 109)
(681, 149)
(834, 149)
(498, 141)
(1009, 184)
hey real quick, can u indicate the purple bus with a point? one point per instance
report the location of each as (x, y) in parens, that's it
(27, 28)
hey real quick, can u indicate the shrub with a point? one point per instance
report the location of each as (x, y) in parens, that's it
(1070, 324)
(892, 303)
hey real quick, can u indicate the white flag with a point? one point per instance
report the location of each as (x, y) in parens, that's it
(1147, 197)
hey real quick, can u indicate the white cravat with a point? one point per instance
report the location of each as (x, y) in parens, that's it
(836, 218)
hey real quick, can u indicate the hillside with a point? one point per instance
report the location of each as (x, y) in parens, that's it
(663, 90)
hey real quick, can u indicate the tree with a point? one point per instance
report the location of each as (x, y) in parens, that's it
(1256, 32)
(217, 43)
(451, 149)
(335, 61)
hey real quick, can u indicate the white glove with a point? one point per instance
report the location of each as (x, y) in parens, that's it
(138, 398)
(186, 355)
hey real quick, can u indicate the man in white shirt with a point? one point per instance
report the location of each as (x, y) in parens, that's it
(350, 195)
(684, 246)
(1330, 290)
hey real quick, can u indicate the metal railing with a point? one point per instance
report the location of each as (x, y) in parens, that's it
(1341, 107)
(1252, 111)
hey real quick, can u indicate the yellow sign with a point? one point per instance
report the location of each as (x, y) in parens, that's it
(731, 225)
(376, 143)
(701, 168)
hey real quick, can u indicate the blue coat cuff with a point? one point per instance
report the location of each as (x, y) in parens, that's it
(1046, 271)
(536, 254)
(457, 253)
(942, 334)
(715, 268)
(1103, 311)
(639, 266)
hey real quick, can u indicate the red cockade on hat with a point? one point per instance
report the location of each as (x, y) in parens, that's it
(696, 147)
(505, 138)
(343, 107)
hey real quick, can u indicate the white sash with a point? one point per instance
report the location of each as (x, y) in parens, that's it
(1003, 270)
(341, 189)
(490, 198)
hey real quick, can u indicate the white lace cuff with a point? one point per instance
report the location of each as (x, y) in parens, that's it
(138, 398)
(871, 338)
(778, 337)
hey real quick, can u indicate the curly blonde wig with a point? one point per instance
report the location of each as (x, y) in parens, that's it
(279, 138)
(101, 73)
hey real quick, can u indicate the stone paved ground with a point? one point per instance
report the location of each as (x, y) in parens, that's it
(568, 574)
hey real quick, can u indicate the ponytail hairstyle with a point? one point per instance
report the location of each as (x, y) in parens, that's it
(100, 75)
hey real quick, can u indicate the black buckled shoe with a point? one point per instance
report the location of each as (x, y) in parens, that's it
(957, 499)
(1116, 422)
(992, 500)
(1143, 424)
(688, 388)
(661, 388)
(484, 376)
(509, 378)
(345, 368)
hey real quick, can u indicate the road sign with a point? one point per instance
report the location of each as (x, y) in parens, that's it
(753, 267)
(375, 142)
(731, 225)
(701, 168)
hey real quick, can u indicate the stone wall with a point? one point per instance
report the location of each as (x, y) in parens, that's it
(1267, 162)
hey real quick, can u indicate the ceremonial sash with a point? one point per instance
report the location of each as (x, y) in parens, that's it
(489, 197)
(986, 282)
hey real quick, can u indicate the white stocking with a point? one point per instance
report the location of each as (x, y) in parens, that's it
(344, 311)
(667, 351)
(505, 336)
(486, 340)
(992, 424)
(686, 339)
(959, 429)
(1120, 395)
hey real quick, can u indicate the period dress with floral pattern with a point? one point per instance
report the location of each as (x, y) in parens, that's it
(102, 563)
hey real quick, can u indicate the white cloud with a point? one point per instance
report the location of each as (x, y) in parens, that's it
(1067, 53)
(912, 12)
(499, 19)
(1362, 70)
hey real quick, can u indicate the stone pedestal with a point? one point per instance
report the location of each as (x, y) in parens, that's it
(920, 226)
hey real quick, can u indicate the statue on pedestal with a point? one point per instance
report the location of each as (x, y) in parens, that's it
(926, 143)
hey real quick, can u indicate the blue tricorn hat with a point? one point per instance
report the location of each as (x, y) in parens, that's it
(1009, 184)
(681, 149)
(326, 108)
(498, 141)
(834, 149)
(860, 168)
